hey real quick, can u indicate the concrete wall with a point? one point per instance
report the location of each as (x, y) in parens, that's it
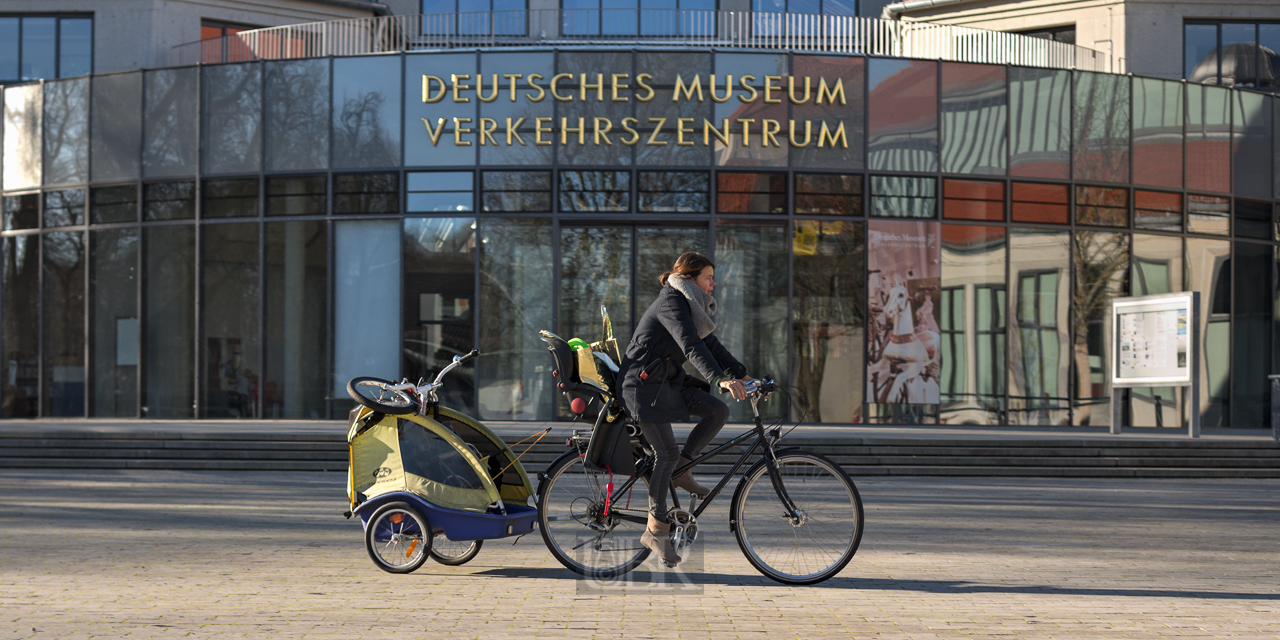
(131, 34)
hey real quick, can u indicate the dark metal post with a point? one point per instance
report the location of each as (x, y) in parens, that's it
(1275, 407)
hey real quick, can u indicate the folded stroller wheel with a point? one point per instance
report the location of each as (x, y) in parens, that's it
(374, 394)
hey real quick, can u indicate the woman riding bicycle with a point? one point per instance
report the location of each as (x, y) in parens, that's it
(656, 391)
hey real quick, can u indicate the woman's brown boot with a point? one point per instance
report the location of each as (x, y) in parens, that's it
(685, 480)
(657, 538)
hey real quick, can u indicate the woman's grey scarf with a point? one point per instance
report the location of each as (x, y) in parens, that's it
(700, 302)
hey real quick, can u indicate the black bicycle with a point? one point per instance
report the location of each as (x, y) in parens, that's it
(796, 515)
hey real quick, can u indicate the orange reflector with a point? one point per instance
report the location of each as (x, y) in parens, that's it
(397, 517)
(412, 546)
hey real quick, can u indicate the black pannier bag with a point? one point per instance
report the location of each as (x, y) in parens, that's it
(610, 447)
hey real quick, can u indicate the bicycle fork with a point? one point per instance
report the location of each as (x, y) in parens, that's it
(794, 514)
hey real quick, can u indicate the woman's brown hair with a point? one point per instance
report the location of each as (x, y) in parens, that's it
(688, 264)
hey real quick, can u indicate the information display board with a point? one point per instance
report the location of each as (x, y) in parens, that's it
(1153, 338)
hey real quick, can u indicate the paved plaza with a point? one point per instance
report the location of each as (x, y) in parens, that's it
(164, 554)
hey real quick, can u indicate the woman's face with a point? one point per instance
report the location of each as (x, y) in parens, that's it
(706, 280)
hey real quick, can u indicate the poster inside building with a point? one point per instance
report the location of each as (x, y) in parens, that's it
(904, 356)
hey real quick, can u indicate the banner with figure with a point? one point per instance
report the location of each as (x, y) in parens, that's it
(904, 358)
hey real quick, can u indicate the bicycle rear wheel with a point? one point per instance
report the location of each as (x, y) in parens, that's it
(811, 547)
(574, 527)
(374, 394)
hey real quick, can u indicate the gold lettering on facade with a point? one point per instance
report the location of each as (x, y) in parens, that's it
(565, 130)
(687, 89)
(602, 132)
(598, 86)
(426, 89)
(768, 131)
(641, 81)
(511, 82)
(791, 90)
(728, 89)
(456, 81)
(616, 85)
(434, 134)
(826, 136)
(745, 82)
(458, 130)
(628, 125)
(833, 93)
(554, 81)
(487, 127)
(746, 130)
(538, 130)
(512, 131)
(708, 129)
(653, 139)
(533, 84)
(791, 133)
(769, 89)
(493, 94)
(681, 130)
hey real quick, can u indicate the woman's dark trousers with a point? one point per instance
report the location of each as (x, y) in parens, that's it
(714, 414)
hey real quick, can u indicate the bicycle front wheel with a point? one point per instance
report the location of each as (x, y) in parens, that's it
(819, 539)
(573, 524)
(375, 394)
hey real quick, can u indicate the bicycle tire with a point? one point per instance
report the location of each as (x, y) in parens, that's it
(393, 528)
(813, 549)
(569, 497)
(403, 405)
(448, 552)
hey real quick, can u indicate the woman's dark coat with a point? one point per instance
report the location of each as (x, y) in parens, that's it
(652, 370)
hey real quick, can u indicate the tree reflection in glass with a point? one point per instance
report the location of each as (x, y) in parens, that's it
(1039, 276)
(828, 319)
(1101, 264)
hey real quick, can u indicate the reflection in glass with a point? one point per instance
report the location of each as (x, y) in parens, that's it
(64, 208)
(1200, 53)
(365, 193)
(1102, 207)
(751, 295)
(1039, 281)
(1207, 214)
(294, 373)
(169, 123)
(1157, 132)
(587, 147)
(850, 72)
(1253, 219)
(1101, 125)
(297, 115)
(1040, 127)
(1251, 144)
(366, 112)
(972, 200)
(673, 191)
(1208, 138)
(893, 197)
(1101, 264)
(366, 275)
(828, 319)
(595, 269)
(734, 153)
(75, 47)
(972, 329)
(975, 110)
(418, 115)
(428, 191)
(230, 198)
(113, 204)
(113, 308)
(1209, 272)
(751, 192)
(582, 191)
(22, 116)
(10, 42)
(902, 130)
(115, 134)
(39, 48)
(66, 131)
(169, 201)
(169, 334)
(229, 300)
(695, 111)
(20, 386)
(516, 191)
(1252, 348)
(296, 196)
(232, 118)
(22, 212)
(656, 252)
(439, 304)
(828, 194)
(1157, 267)
(516, 286)
(1159, 211)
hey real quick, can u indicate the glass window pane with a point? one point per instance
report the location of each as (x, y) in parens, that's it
(366, 275)
(829, 290)
(113, 305)
(170, 123)
(1157, 132)
(297, 291)
(1268, 47)
(63, 324)
(230, 198)
(973, 200)
(66, 131)
(845, 109)
(595, 270)
(595, 191)
(1209, 272)
(1101, 127)
(656, 252)
(20, 386)
(296, 196)
(22, 145)
(903, 115)
(745, 146)
(428, 191)
(513, 372)
(751, 192)
(113, 204)
(1253, 219)
(22, 212)
(229, 300)
(828, 194)
(972, 331)
(64, 208)
(429, 127)
(169, 335)
(751, 296)
(1252, 349)
(1101, 264)
(1039, 281)
(232, 118)
(672, 191)
(516, 191)
(366, 193)
(39, 48)
(9, 46)
(1250, 144)
(1040, 125)
(975, 110)
(169, 201)
(1200, 54)
(1208, 138)
(115, 134)
(75, 54)
(297, 115)
(516, 141)
(1207, 214)
(1162, 211)
(599, 143)
(1102, 207)
(893, 197)
(366, 112)
(439, 304)
(1157, 268)
(1238, 52)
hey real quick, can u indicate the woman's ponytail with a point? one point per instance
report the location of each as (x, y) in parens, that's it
(688, 264)
(663, 278)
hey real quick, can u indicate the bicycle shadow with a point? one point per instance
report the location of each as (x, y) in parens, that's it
(643, 577)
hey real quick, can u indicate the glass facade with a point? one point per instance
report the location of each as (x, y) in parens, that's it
(239, 240)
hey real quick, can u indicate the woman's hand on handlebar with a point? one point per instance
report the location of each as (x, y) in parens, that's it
(735, 388)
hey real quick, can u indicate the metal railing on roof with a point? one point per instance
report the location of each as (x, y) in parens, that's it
(643, 27)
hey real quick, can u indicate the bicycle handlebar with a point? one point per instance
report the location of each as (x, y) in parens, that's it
(457, 360)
